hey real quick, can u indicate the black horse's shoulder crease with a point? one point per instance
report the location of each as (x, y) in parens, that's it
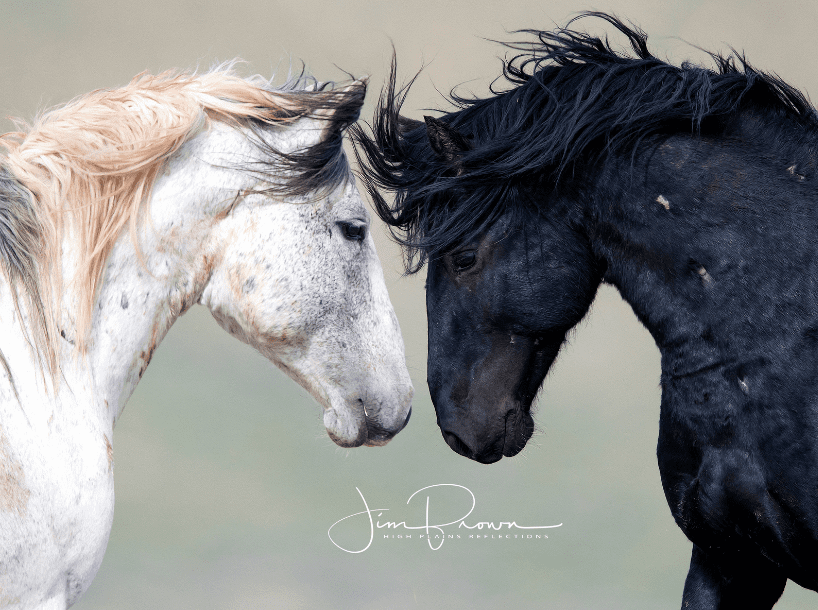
(694, 191)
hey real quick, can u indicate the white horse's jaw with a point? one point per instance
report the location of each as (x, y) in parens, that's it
(366, 409)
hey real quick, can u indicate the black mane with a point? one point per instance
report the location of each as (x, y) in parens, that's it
(573, 99)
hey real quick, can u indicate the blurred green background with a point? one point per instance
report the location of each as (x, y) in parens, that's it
(226, 481)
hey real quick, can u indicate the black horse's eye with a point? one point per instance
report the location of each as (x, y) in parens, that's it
(464, 260)
(353, 232)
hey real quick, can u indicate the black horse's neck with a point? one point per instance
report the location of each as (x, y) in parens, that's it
(712, 242)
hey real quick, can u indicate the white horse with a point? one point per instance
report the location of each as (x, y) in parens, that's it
(120, 210)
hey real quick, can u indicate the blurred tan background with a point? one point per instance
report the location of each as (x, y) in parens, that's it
(226, 481)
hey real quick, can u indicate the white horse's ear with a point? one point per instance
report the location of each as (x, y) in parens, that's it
(359, 84)
(345, 108)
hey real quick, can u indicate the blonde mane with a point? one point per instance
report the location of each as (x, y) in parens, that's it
(97, 157)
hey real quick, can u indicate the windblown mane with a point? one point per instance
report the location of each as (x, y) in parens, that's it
(573, 99)
(97, 157)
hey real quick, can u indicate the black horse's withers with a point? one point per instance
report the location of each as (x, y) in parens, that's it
(498, 311)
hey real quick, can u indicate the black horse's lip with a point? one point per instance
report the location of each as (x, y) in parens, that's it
(519, 426)
(458, 446)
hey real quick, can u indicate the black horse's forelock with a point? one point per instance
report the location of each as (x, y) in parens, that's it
(573, 99)
(398, 158)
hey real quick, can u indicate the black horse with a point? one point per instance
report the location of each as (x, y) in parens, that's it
(694, 191)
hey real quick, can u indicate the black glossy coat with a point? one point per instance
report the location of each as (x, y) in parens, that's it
(710, 234)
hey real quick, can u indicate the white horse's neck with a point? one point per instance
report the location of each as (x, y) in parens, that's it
(56, 439)
(141, 294)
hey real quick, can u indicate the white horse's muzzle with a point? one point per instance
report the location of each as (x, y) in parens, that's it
(372, 421)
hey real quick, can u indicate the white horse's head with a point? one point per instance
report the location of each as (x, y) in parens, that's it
(292, 271)
(301, 282)
(118, 212)
(252, 212)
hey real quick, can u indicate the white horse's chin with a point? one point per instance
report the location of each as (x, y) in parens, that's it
(350, 425)
(345, 429)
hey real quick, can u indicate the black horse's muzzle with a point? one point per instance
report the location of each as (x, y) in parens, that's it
(506, 441)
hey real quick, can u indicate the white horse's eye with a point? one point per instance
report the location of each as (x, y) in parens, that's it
(352, 231)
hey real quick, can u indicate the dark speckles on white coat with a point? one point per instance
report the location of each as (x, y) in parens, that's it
(123, 302)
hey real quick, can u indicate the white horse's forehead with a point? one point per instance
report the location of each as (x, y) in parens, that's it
(345, 203)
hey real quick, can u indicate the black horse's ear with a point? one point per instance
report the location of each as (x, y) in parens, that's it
(447, 142)
(405, 124)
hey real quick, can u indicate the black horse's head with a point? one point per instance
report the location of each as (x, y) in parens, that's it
(506, 280)
(498, 310)
(499, 305)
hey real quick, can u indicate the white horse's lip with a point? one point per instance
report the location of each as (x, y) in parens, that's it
(344, 443)
(344, 428)
(351, 428)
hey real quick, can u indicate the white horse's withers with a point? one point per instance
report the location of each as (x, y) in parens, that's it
(121, 210)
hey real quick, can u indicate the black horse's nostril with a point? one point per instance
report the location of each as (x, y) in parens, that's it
(488, 455)
(456, 444)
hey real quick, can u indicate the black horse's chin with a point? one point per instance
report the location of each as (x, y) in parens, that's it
(510, 440)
